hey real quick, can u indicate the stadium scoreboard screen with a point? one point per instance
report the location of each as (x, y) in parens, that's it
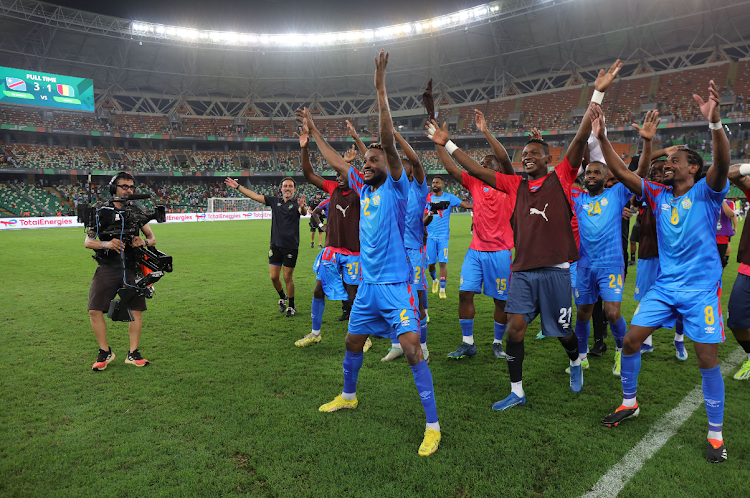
(45, 89)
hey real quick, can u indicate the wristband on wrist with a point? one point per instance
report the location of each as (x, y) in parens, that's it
(714, 126)
(145, 241)
(450, 147)
(104, 245)
(745, 169)
(320, 225)
(598, 97)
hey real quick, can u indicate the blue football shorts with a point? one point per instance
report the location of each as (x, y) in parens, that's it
(701, 312)
(573, 274)
(645, 276)
(594, 282)
(334, 270)
(417, 267)
(738, 311)
(437, 251)
(381, 309)
(545, 292)
(486, 272)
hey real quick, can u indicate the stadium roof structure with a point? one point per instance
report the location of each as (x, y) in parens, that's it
(491, 51)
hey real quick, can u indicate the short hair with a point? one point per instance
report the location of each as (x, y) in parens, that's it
(438, 177)
(375, 145)
(604, 165)
(493, 156)
(540, 142)
(290, 179)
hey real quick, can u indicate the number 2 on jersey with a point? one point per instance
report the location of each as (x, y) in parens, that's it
(367, 204)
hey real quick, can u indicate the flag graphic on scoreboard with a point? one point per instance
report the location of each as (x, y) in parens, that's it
(15, 84)
(66, 90)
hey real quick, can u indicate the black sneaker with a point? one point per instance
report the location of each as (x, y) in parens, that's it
(631, 262)
(312, 245)
(345, 315)
(103, 360)
(136, 359)
(622, 413)
(599, 348)
(282, 305)
(716, 455)
(290, 312)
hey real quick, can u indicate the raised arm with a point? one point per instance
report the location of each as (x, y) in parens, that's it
(353, 133)
(449, 165)
(575, 152)
(417, 169)
(441, 138)
(614, 163)
(329, 153)
(231, 182)
(307, 169)
(466, 205)
(736, 176)
(647, 132)
(716, 176)
(386, 122)
(497, 147)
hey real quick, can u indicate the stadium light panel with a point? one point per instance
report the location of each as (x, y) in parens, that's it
(416, 28)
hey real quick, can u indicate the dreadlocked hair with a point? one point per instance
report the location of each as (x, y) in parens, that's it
(540, 142)
(694, 158)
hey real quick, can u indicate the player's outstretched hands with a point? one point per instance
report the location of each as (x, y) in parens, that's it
(231, 182)
(304, 118)
(672, 149)
(304, 136)
(604, 79)
(350, 128)
(380, 62)
(650, 123)
(436, 134)
(480, 121)
(302, 201)
(597, 122)
(710, 108)
(351, 154)
(535, 134)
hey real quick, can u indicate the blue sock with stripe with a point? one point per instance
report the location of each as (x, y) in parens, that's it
(442, 284)
(619, 329)
(352, 364)
(423, 380)
(467, 329)
(499, 331)
(423, 332)
(630, 367)
(583, 331)
(318, 307)
(713, 396)
(433, 274)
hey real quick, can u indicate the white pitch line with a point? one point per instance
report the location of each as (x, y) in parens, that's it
(611, 483)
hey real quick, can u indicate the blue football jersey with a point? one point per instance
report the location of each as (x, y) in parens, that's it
(323, 206)
(381, 229)
(414, 236)
(600, 226)
(439, 227)
(686, 233)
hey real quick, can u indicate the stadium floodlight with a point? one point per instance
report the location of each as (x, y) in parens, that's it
(462, 18)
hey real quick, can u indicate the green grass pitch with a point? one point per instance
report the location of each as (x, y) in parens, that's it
(229, 406)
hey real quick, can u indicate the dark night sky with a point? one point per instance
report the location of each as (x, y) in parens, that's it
(273, 16)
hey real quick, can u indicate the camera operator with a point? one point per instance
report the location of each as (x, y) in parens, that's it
(108, 278)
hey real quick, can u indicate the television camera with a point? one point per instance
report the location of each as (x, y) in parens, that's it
(439, 206)
(125, 224)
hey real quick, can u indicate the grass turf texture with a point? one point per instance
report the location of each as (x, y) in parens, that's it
(230, 406)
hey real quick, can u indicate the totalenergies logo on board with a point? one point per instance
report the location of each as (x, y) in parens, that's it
(9, 223)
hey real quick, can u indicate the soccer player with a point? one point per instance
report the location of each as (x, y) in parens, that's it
(384, 301)
(540, 282)
(486, 267)
(337, 266)
(414, 242)
(686, 212)
(600, 269)
(285, 214)
(439, 233)
(725, 230)
(738, 311)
